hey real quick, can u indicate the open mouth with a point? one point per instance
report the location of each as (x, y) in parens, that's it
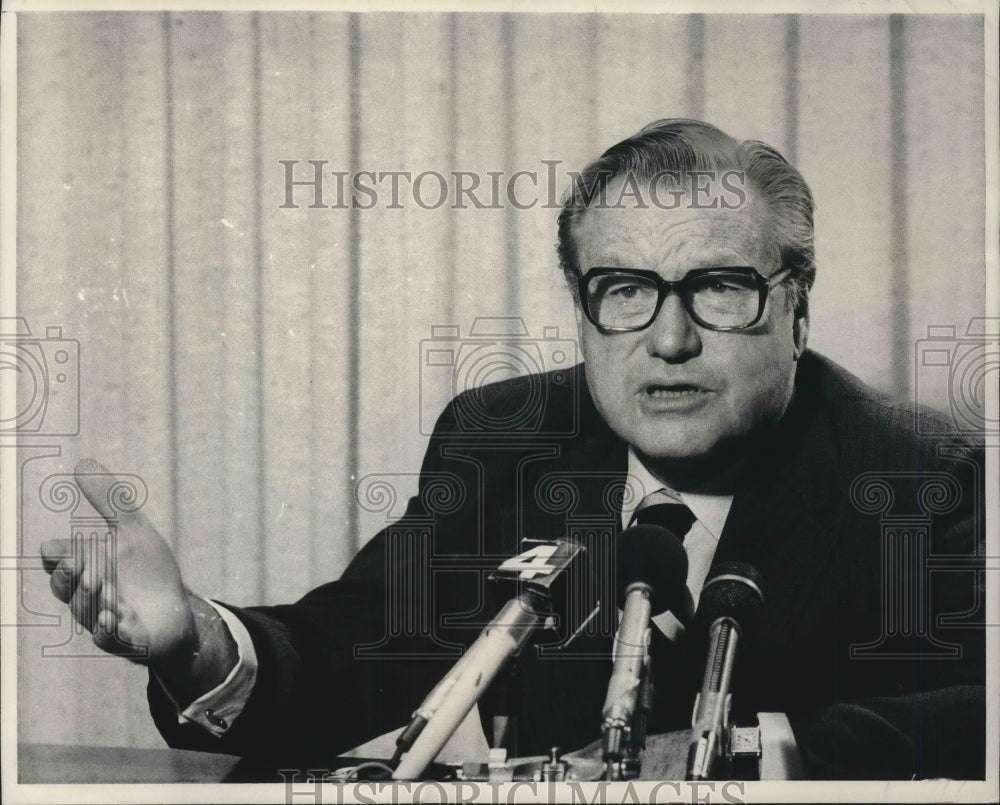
(673, 390)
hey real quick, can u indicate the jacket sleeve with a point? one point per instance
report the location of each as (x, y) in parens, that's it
(929, 735)
(337, 667)
(936, 726)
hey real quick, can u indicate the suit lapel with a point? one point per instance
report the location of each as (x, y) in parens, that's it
(779, 521)
(579, 486)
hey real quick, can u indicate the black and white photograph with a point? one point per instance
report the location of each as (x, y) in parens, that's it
(501, 403)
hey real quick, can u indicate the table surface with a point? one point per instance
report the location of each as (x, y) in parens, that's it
(60, 763)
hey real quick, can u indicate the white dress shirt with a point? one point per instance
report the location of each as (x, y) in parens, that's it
(217, 709)
(700, 542)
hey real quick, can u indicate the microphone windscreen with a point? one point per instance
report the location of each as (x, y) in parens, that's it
(652, 555)
(733, 589)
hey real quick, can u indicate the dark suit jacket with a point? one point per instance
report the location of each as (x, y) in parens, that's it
(864, 534)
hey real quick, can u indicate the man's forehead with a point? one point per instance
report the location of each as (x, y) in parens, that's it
(633, 217)
(720, 190)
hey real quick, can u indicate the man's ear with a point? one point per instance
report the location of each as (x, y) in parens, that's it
(578, 312)
(800, 334)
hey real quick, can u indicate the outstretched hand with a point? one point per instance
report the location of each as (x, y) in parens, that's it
(125, 588)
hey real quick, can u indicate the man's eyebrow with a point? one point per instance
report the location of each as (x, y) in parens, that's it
(726, 260)
(612, 259)
(722, 259)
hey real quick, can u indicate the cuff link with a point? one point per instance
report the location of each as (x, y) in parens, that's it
(215, 720)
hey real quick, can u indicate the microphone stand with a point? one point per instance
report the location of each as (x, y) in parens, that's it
(539, 575)
(629, 700)
(632, 764)
(624, 738)
(651, 566)
(453, 699)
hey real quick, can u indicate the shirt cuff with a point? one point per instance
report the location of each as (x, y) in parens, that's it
(218, 709)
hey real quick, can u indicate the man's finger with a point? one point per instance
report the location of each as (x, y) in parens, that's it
(111, 634)
(54, 551)
(107, 623)
(105, 632)
(90, 578)
(109, 597)
(85, 604)
(65, 578)
(62, 582)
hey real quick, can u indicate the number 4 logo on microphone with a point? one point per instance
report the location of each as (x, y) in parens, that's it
(533, 562)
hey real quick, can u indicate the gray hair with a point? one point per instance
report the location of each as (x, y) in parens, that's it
(678, 146)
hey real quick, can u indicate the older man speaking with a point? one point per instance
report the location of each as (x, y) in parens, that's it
(689, 256)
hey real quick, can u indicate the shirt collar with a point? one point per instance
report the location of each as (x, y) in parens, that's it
(710, 509)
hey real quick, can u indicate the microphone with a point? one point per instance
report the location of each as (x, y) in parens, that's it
(730, 599)
(540, 577)
(652, 577)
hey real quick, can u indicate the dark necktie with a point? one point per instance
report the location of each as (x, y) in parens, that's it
(675, 517)
(669, 663)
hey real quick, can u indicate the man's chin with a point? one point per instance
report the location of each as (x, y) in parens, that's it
(685, 463)
(679, 454)
(684, 446)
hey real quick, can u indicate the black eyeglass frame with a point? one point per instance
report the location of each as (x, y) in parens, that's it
(665, 287)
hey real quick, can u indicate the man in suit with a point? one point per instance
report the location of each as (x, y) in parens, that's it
(690, 258)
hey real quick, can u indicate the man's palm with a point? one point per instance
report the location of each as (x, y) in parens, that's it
(126, 589)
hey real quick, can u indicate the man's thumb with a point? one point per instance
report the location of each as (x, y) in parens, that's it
(108, 494)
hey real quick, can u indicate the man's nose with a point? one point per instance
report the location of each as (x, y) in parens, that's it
(673, 335)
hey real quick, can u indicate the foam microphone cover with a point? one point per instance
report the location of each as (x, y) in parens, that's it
(733, 589)
(652, 555)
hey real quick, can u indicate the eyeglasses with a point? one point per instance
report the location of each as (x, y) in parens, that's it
(623, 300)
